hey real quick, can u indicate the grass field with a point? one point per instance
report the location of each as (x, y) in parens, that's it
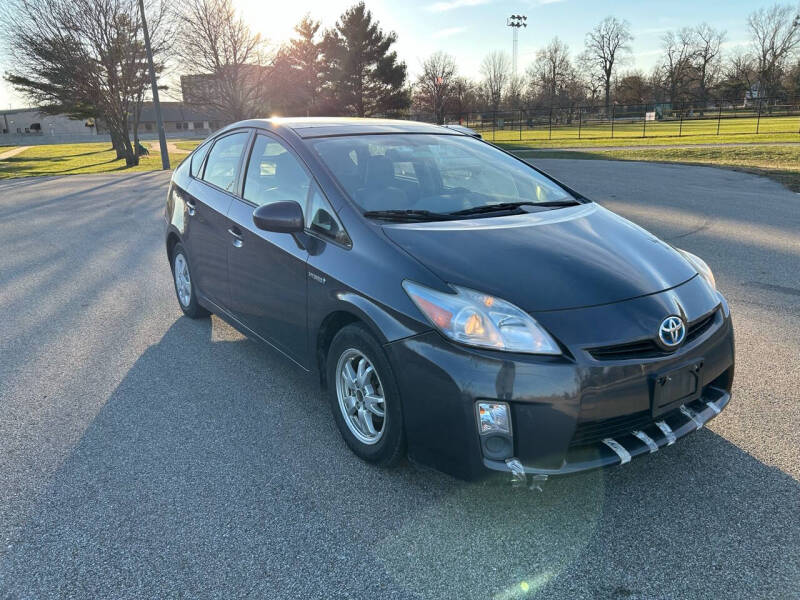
(73, 159)
(187, 145)
(697, 131)
(781, 163)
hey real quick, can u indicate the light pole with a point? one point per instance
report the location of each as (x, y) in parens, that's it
(162, 138)
(515, 22)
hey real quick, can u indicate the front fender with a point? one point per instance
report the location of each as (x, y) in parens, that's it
(386, 326)
(328, 312)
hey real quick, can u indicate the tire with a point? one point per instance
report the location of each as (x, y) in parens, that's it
(354, 394)
(184, 284)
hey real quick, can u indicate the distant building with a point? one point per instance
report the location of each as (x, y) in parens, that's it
(178, 117)
(28, 125)
(196, 90)
(29, 121)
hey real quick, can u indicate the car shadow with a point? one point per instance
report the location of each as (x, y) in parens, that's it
(215, 469)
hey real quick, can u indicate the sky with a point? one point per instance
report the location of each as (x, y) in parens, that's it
(469, 29)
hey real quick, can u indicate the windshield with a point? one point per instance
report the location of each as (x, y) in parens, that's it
(432, 174)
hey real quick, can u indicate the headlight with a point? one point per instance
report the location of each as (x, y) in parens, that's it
(477, 319)
(701, 266)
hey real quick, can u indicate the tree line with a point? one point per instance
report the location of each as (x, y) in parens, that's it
(86, 58)
(693, 70)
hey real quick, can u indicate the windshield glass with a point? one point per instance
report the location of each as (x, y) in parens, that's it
(434, 173)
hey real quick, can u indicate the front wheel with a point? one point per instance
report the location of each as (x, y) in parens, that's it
(364, 398)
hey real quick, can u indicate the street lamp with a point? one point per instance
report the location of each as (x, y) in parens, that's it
(515, 22)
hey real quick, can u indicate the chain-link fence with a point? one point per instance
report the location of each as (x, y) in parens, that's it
(564, 123)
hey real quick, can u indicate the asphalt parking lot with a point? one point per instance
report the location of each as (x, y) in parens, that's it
(143, 454)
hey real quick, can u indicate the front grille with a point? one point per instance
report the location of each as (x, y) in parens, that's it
(640, 349)
(700, 326)
(649, 348)
(590, 432)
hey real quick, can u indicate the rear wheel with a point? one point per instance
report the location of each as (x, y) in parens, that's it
(184, 288)
(364, 398)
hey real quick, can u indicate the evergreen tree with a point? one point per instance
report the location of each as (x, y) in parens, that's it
(364, 76)
(298, 71)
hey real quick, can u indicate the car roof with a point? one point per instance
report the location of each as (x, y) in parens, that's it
(311, 127)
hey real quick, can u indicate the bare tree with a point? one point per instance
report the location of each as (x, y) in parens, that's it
(464, 96)
(604, 45)
(552, 70)
(739, 75)
(495, 68)
(515, 92)
(707, 63)
(775, 37)
(434, 86)
(633, 88)
(86, 56)
(677, 64)
(226, 61)
(591, 76)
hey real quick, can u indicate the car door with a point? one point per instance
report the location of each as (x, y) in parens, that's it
(210, 198)
(267, 270)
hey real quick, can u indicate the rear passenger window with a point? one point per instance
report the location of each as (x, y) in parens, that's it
(274, 174)
(223, 160)
(197, 158)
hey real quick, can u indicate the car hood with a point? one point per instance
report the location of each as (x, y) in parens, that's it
(552, 260)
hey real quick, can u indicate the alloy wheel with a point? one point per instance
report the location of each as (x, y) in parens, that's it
(183, 283)
(361, 396)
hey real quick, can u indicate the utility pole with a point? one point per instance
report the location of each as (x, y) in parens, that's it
(515, 22)
(436, 83)
(162, 138)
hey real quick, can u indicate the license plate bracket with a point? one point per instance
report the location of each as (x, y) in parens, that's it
(676, 386)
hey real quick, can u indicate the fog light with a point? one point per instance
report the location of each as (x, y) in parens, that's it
(494, 417)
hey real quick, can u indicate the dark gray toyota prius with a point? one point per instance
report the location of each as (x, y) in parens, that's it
(456, 302)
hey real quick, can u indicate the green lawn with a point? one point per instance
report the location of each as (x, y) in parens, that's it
(73, 159)
(697, 131)
(781, 163)
(187, 145)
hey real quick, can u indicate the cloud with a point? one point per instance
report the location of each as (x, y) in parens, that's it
(734, 43)
(445, 5)
(453, 4)
(653, 30)
(449, 32)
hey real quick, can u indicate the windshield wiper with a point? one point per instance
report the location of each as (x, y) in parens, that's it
(506, 206)
(557, 203)
(407, 215)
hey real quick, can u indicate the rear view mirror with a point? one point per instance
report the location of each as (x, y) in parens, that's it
(280, 217)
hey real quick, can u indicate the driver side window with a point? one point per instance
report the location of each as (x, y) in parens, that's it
(274, 174)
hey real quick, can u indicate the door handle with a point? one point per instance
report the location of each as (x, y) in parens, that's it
(237, 236)
(191, 207)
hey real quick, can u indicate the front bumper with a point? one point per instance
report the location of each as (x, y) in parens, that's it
(624, 447)
(569, 413)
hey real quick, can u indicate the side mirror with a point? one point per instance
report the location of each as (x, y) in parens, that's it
(280, 217)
